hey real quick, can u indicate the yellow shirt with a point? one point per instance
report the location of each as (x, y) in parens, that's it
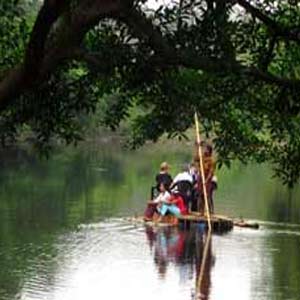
(209, 165)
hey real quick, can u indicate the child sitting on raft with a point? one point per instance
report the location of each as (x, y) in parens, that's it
(174, 205)
(165, 203)
(152, 206)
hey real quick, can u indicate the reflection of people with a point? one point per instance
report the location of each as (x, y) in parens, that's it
(185, 248)
(151, 235)
(161, 254)
(168, 247)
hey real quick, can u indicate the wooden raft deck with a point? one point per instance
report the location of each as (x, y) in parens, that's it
(219, 223)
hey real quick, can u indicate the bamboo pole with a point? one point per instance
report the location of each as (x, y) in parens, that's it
(202, 172)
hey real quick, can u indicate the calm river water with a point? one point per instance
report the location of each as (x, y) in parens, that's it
(64, 233)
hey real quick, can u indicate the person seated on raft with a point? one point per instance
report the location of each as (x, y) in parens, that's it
(184, 183)
(163, 197)
(174, 205)
(164, 194)
(184, 175)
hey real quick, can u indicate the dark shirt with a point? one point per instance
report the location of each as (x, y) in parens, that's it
(163, 178)
(185, 188)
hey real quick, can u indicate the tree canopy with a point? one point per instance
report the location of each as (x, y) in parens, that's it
(235, 62)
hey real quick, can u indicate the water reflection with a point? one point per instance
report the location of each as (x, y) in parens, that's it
(186, 250)
(55, 243)
(117, 259)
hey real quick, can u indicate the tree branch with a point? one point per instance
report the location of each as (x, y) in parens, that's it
(22, 76)
(276, 28)
(144, 29)
(45, 54)
(95, 60)
(42, 57)
(47, 16)
(267, 57)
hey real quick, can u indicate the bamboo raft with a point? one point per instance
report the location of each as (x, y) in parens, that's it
(219, 223)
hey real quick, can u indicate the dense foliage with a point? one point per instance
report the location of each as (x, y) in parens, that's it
(234, 62)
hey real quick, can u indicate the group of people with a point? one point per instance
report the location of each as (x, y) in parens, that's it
(185, 192)
(185, 250)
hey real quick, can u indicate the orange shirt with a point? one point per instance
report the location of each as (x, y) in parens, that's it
(209, 165)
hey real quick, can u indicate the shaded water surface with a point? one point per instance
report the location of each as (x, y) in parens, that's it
(64, 233)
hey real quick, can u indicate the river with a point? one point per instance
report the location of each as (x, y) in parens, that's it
(64, 232)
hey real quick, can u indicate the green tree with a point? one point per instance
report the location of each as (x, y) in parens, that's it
(235, 62)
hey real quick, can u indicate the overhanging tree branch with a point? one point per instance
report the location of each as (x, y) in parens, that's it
(48, 15)
(144, 29)
(47, 51)
(40, 60)
(275, 28)
(24, 75)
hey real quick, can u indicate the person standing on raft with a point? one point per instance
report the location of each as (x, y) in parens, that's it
(209, 166)
(162, 177)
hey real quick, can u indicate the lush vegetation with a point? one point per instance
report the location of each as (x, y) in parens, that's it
(235, 62)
